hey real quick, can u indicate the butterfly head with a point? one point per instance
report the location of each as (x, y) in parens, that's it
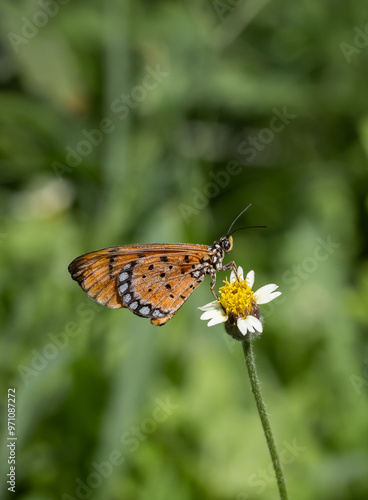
(226, 243)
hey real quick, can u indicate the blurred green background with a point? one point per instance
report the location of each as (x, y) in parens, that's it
(133, 122)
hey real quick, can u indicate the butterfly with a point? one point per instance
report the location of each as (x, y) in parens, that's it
(152, 280)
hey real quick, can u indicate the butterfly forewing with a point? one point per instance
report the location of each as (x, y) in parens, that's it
(96, 273)
(153, 281)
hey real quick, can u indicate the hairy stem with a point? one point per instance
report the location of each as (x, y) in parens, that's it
(256, 389)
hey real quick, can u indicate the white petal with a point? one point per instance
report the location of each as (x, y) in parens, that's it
(238, 275)
(249, 324)
(274, 295)
(211, 305)
(256, 323)
(266, 293)
(211, 314)
(250, 278)
(217, 320)
(243, 324)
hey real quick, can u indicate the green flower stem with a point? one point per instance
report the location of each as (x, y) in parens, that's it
(256, 389)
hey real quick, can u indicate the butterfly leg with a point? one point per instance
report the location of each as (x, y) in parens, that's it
(213, 273)
(213, 283)
(231, 265)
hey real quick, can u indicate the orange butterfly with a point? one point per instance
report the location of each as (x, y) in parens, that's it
(152, 280)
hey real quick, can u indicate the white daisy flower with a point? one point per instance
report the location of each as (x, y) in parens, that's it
(238, 305)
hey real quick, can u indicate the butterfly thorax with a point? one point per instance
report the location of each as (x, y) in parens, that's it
(218, 251)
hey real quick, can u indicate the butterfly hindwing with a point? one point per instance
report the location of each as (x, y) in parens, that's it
(158, 285)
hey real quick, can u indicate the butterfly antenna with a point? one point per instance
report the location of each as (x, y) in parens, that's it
(236, 218)
(245, 227)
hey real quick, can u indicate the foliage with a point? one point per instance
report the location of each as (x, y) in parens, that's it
(143, 121)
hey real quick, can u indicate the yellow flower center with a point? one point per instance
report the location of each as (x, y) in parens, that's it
(237, 298)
